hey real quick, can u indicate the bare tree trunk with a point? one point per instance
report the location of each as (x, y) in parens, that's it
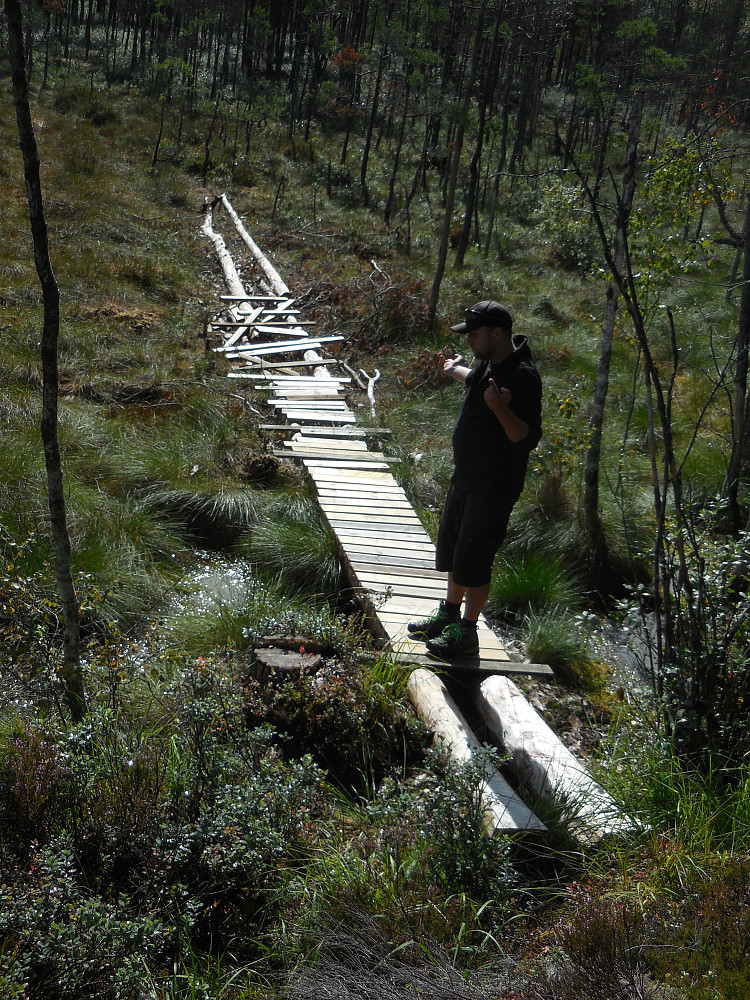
(370, 127)
(590, 508)
(472, 193)
(737, 458)
(70, 670)
(458, 145)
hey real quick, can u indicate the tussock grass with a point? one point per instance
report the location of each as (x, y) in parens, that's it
(519, 585)
(292, 545)
(558, 637)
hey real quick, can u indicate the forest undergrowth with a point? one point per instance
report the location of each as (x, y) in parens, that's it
(202, 833)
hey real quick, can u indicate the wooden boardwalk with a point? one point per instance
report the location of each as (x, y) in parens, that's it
(388, 555)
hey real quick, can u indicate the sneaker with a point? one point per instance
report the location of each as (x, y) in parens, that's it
(431, 627)
(457, 639)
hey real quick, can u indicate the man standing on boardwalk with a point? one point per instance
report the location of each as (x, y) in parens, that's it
(499, 425)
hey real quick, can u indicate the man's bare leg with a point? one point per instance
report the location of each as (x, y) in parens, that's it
(474, 598)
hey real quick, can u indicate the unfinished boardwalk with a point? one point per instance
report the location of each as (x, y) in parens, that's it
(387, 554)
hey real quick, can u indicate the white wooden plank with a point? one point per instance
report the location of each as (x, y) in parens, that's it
(242, 330)
(321, 416)
(279, 348)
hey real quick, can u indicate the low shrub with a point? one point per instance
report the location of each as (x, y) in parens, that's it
(350, 726)
(59, 940)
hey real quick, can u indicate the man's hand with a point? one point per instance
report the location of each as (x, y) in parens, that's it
(453, 367)
(498, 399)
(497, 396)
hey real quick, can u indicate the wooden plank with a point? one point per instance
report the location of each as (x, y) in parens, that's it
(243, 326)
(406, 588)
(416, 583)
(387, 533)
(546, 765)
(344, 432)
(308, 399)
(289, 330)
(403, 571)
(255, 298)
(274, 347)
(336, 449)
(339, 417)
(259, 323)
(317, 413)
(405, 562)
(299, 380)
(333, 486)
(328, 449)
(474, 665)
(386, 540)
(369, 503)
(315, 456)
(389, 547)
(505, 810)
(343, 463)
(340, 513)
(291, 365)
(344, 527)
(353, 496)
(376, 478)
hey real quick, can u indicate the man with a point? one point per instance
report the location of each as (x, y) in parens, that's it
(498, 427)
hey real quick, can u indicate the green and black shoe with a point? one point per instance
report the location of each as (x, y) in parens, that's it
(457, 639)
(432, 627)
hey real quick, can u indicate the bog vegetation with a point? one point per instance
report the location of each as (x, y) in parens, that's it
(201, 834)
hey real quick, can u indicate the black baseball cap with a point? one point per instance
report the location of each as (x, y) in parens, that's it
(485, 313)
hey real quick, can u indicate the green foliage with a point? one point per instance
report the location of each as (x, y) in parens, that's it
(293, 545)
(699, 669)
(197, 824)
(559, 637)
(59, 940)
(345, 719)
(571, 240)
(532, 582)
(423, 863)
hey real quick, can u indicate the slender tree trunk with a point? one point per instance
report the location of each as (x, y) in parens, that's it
(394, 172)
(738, 458)
(472, 193)
(370, 127)
(590, 508)
(70, 670)
(458, 144)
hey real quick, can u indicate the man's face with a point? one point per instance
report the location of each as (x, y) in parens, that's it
(481, 342)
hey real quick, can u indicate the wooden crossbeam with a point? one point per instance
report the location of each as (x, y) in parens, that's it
(473, 665)
(256, 350)
(355, 432)
(275, 365)
(259, 324)
(327, 455)
(256, 298)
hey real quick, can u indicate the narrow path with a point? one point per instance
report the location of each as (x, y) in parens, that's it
(388, 556)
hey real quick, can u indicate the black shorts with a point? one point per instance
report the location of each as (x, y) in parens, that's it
(472, 528)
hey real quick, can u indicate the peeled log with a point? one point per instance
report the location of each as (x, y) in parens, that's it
(505, 810)
(545, 765)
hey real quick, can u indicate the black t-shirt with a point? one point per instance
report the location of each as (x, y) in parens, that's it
(483, 454)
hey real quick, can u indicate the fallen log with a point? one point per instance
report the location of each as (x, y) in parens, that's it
(505, 810)
(546, 766)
